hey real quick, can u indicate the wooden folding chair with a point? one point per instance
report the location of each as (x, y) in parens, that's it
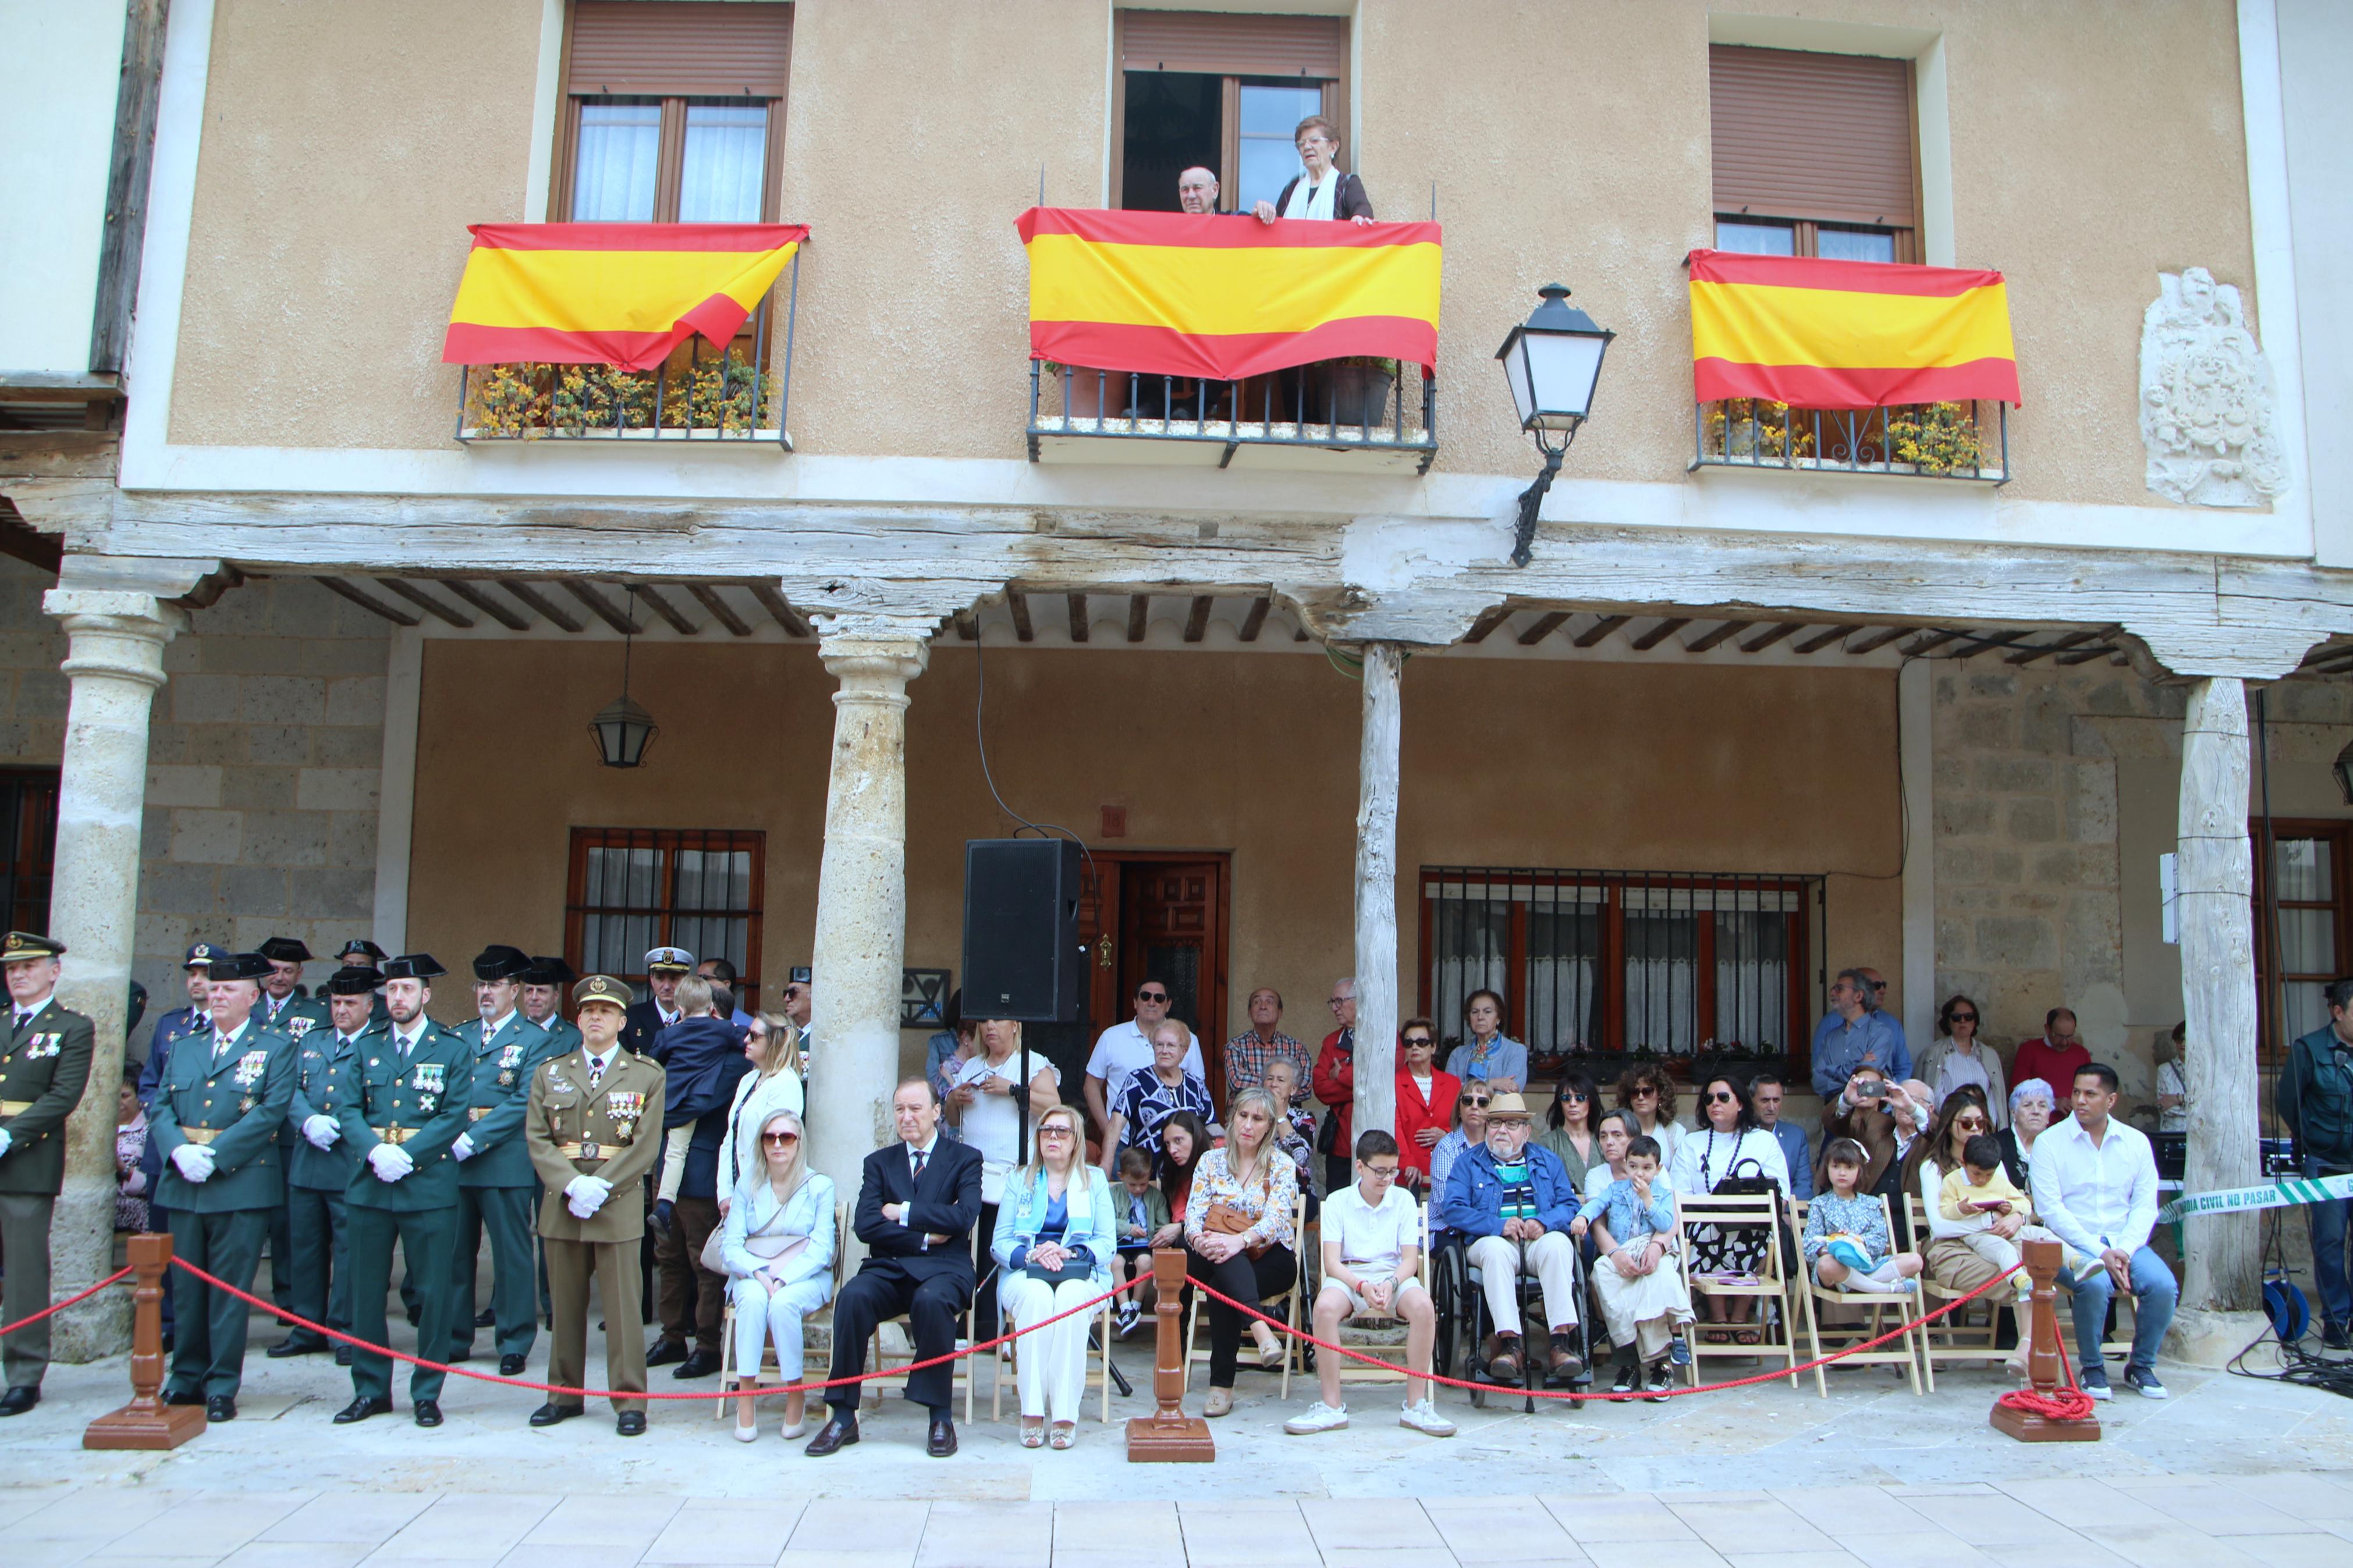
(1903, 1351)
(879, 1358)
(821, 1320)
(1098, 1371)
(1195, 1351)
(1954, 1338)
(1360, 1335)
(1768, 1285)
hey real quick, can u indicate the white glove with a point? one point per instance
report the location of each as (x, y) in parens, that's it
(321, 1131)
(5, 1141)
(194, 1160)
(462, 1147)
(390, 1162)
(586, 1195)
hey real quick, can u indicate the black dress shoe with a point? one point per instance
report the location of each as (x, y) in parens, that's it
(702, 1363)
(485, 1318)
(511, 1366)
(427, 1411)
(343, 1355)
(630, 1424)
(941, 1444)
(183, 1396)
(220, 1407)
(363, 1407)
(838, 1433)
(17, 1401)
(665, 1351)
(461, 1353)
(293, 1345)
(549, 1415)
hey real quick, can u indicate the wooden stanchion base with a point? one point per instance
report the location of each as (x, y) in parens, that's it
(164, 1427)
(2031, 1428)
(2046, 1357)
(1184, 1441)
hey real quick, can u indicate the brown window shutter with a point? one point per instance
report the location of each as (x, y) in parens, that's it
(1825, 137)
(714, 48)
(1220, 43)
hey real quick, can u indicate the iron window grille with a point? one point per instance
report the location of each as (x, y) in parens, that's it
(634, 888)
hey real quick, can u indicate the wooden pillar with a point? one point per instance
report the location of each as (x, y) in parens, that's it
(2214, 883)
(1376, 926)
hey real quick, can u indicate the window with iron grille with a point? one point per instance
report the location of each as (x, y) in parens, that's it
(635, 889)
(1607, 964)
(28, 846)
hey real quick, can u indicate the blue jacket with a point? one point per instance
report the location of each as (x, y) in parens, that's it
(702, 1060)
(1472, 1202)
(1025, 1212)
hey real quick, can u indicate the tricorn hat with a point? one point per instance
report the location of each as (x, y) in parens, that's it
(413, 966)
(354, 980)
(498, 961)
(375, 954)
(545, 971)
(239, 967)
(285, 950)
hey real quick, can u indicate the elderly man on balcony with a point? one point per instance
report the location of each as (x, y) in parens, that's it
(1197, 192)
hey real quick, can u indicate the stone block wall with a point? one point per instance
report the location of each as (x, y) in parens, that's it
(263, 767)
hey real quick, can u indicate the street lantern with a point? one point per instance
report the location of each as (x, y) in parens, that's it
(624, 730)
(1551, 362)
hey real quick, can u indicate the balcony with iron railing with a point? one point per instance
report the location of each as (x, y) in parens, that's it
(739, 395)
(1966, 441)
(1365, 415)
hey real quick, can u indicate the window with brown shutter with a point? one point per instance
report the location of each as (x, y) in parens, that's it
(673, 110)
(1813, 154)
(1225, 91)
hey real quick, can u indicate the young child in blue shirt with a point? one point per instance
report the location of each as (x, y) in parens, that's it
(1846, 1235)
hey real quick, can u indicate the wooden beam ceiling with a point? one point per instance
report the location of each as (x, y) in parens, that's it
(1197, 619)
(425, 602)
(1255, 619)
(783, 614)
(1017, 602)
(1139, 616)
(1543, 627)
(1660, 633)
(1823, 639)
(530, 597)
(721, 610)
(598, 605)
(1599, 630)
(1707, 641)
(484, 603)
(1487, 622)
(654, 600)
(367, 601)
(1077, 604)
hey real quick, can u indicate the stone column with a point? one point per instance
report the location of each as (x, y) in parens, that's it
(861, 894)
(115, 662)
(2214, 885)
(1377, 928)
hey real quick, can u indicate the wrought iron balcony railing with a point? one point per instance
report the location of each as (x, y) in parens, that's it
(700, 394)
(1373, 414)
(1968, 441)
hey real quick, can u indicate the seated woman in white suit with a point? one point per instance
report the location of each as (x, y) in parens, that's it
(777, 1244)
(1053, 1248)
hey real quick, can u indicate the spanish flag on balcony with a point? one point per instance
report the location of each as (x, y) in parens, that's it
(624, 294)
(1847, 334)
(1223, 298)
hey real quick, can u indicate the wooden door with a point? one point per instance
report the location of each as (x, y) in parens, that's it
(1162, 915)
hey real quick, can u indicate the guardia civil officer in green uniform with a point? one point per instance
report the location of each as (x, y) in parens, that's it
(494, 1175)
(322, 1163)
(285, 1009)
(44, 1066)
(543, 1002)
(216, 1116)
(360, 953)
(595, 1133)
(413, 1085)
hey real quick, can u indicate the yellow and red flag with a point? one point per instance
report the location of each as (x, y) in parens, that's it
(1818, 334)
(624, 294)
(1223, 298)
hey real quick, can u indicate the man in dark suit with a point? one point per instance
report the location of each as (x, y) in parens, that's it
(917, 1204)
(665, 967)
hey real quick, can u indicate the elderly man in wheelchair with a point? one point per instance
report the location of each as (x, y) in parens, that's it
(1507, 1205)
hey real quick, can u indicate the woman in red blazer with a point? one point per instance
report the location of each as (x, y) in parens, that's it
(1425, 1101)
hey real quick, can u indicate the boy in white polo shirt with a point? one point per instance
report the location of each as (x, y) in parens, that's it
(1372, 1260)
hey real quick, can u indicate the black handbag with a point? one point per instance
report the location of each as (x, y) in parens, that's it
(1735, 1185)
(1074, 1270)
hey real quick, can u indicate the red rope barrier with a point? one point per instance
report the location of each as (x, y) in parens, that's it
(2068, 1403)
(586, 1393)
(78, 1296)
(1613, 1397)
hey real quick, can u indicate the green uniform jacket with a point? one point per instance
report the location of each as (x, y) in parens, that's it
(621, 1117)
(242, 1103)
(298, 1018)
(322, 1085)
(565, 1035)
(43, 1070)
(425, 1098)
(502, 1070)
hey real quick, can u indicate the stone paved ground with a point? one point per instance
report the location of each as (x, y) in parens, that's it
(2229, 1472)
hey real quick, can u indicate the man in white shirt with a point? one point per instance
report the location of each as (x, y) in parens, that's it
(2094, 1182)
(1372, 1263)
(1124, 1049)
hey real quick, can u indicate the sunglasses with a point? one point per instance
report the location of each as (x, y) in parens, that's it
(792, 991)
(1152, 995)
(1720, 1097)
(1476, 1102)
(1644, 1092)
(1045, 1133)
(1971, 1124)
(1964, 1019)
(780, 1137)
(1418, 1040)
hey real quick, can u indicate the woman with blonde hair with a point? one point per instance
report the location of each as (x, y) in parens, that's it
(1053, 1250)
(1238, 1227)
(777, 1243)
(774, 1084)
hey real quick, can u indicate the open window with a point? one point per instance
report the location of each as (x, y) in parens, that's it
(1813, 154)
(1225, 91)
(673, 112)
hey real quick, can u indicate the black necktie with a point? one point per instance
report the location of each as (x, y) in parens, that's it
(923, 1158)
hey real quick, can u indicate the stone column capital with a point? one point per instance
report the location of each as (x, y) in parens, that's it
(115, 632)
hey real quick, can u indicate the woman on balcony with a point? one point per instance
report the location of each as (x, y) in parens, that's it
(1322, 191)
(1489, 1053)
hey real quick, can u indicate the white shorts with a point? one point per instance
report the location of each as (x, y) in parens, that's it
(1357, 1306)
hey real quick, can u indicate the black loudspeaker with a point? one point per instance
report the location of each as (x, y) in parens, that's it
(1022, 957)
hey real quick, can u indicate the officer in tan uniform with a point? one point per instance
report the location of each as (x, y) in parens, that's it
(594, 1129)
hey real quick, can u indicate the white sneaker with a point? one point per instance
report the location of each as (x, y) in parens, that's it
(1319, 1417)
(1424, 1418)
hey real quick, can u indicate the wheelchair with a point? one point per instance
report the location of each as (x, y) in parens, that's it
(1463, 1324)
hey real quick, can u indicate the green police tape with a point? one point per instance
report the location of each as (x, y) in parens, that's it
(2285, 1193)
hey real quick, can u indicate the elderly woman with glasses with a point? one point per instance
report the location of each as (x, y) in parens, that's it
(777, 1244)
(1053, 1251)
(1959, 1057)
(1951, 1261)
(1650, 1094)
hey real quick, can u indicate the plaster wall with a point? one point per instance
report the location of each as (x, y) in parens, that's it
(1550, 764)
(59, 67)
